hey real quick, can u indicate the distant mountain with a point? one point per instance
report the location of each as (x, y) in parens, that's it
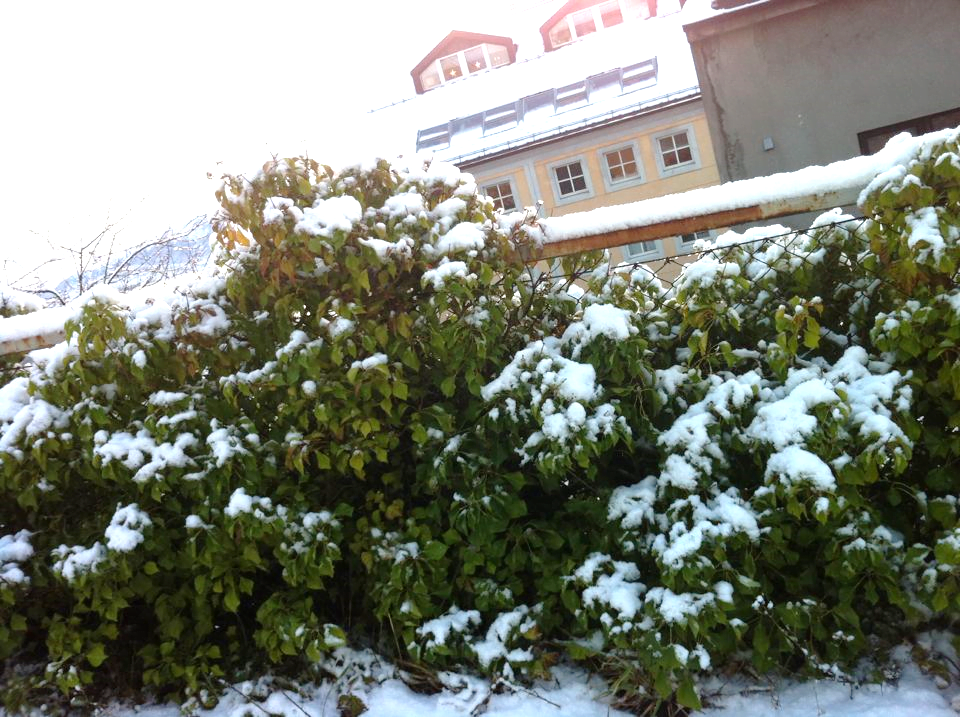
(175, 252)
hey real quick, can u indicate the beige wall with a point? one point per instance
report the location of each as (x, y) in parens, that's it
(531, 171)
(654, 184)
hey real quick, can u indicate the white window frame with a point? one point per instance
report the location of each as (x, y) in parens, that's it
(692, 165)
(597, 23)
(579, 195)
(615, 185)
(487, 183)
(633, 257)
(437, 67)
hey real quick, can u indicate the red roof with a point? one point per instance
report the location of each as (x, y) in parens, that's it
(570, 7)
(454, 42)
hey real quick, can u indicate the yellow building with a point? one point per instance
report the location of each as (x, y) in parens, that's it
(569, 106)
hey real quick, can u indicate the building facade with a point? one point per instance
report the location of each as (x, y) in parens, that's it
(573, 106)
(792, 83)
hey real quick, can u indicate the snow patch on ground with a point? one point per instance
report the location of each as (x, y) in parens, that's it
(574, 694)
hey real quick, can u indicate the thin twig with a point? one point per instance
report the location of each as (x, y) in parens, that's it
(247, 698)
(295, 704)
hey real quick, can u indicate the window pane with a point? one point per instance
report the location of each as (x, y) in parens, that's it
(636, 8)
(570, 178)
(691, 238)
(475, 60)
(451, 67)
(640, 248)
(502, 195)
(622, 164)
(498, 55)
(560, 33)
(675, 150)
(583, 23)
(610, 14)
(430, 78)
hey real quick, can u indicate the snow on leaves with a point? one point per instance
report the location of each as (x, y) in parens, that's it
(376, 414)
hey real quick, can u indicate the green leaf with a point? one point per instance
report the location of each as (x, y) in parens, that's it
(448, 386)
(847, 614)
(356, 462)
(434, 550)
(761, 639)
(687, 694)
(96, 655)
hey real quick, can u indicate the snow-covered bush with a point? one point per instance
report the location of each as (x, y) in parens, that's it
(377, 426)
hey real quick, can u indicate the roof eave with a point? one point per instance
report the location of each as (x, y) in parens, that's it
(535, 141)
(738, 18)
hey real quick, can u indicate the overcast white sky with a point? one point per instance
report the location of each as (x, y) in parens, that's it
(120, 108)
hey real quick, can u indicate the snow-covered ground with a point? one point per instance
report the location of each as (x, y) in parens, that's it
(574, 694)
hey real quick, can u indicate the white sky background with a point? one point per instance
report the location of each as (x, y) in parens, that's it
(113, 110)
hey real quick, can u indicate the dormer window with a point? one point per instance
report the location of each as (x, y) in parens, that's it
(462, 63)
(460, 54)
(578, 18)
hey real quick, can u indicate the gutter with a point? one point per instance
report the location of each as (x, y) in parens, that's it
(537, 139)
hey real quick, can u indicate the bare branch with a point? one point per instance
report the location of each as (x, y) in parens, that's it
(102, 259)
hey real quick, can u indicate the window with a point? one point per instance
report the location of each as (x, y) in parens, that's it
(676, 151)
(476, 59)
(610, 14)
(502, 195)
(641, 250)
(430, 78)
(451, 67)
(621, 164)
(570, 179)
(473, 59)
(687, 240)
(593, 19)
(583, 23)
(874, 140)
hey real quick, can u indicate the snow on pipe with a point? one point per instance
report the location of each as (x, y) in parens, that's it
(809, 189)
(555, 244)
(805, 190)
(36, 330)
